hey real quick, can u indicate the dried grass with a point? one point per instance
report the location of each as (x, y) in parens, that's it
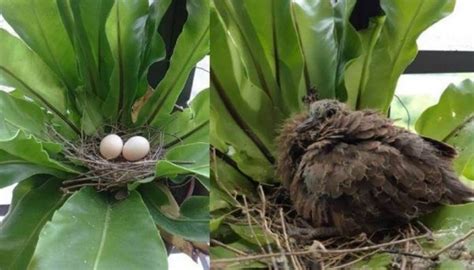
(298, 246)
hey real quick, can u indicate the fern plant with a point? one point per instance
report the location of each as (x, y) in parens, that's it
(79, 71)
(266, 57)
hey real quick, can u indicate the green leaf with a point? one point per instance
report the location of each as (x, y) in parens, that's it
(243, 44)
(38, 24)
(20, 114)
(253, 234)
(28, 148)
(357, 71)
(348, 42)
(34, 202)
(153, 48)
(231, 179)
(452, 121)
(396, 47)
(375, 262)
(191, 158)
(14, 171)
(35, 80)
(188, 126)
(244, 121)
(124, 28)
(277, 34)
(195, 207)
(191, 46)
(99, 233)
(316, 31)
(268, 48)
(165, 212)
(85, 24)
(451, 222)
(219, 252)
(205, 181)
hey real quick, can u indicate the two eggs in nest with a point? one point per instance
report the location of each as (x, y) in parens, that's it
(136, 148)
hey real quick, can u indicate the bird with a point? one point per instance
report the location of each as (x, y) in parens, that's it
(353, 172)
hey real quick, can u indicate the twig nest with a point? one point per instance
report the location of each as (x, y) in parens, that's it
(136, 148)
(111, 146)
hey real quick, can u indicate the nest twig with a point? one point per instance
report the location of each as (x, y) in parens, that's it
(298, 247)
(109, 174)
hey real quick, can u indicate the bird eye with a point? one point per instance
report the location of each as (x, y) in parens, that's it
(330, 112)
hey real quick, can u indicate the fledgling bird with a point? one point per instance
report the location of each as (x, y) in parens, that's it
(354, 171)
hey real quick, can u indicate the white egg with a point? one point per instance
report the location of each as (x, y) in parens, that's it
(136, 148)
(111, 146)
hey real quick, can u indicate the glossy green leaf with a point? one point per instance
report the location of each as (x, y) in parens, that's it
(20, 114)
(39, 25)
(244, 121)
(315, 24)
(35, 80)
(396, 47)
(188, 126)
(89, 106)
(183, 159)
(253, 234)
(229, 178)
(357, 71)
(124, 28)
(34, 202)
(85, 24)
(448, 224)
(451, 222)
(219, 199)
(279, 39)
(452, 121)
(167, 216)
(191, 46)
(348, 42)
(153, 48)
(195, 207)
(236, 21)
(97, 232)
(29, 149)
(268, 48)
(14, 171)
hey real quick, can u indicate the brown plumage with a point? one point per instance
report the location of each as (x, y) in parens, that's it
(356, 172)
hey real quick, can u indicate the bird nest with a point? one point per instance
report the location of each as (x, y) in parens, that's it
(286, 241)
(110, 175)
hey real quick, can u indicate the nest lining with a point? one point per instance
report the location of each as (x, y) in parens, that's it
(109, 175)
(290, 242)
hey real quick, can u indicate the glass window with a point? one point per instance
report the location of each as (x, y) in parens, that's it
(453, 32)
(416, 92)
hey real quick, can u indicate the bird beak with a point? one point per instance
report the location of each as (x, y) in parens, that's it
(306, 125)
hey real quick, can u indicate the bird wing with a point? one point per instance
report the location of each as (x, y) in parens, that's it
(369, 179)
(445, 149)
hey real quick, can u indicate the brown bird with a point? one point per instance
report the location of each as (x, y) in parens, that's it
(354, 171)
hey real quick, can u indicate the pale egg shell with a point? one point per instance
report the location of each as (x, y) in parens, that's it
(111, 146)
(136, 148)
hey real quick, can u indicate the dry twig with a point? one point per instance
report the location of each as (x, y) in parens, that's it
(275, 217)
